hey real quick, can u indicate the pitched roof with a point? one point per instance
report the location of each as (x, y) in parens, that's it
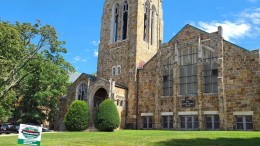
(74, 76)
(91, 77)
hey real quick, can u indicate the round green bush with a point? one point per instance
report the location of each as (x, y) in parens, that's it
(107, 117)
(77, 117)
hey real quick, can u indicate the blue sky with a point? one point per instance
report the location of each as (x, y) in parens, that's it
(78, 22)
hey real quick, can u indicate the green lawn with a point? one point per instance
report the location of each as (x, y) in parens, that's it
(145, 138)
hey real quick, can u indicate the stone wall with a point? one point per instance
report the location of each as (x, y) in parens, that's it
(241, 83)
(129, 53)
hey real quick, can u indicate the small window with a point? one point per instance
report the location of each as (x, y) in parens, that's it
(147, 122)
(189, 122)
(114, 70)
(167, 122)
(118, 69)
(244, 123)
(212, 122)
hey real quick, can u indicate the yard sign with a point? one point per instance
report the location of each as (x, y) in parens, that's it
(29, 135)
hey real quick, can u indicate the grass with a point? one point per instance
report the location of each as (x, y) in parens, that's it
(145, 138)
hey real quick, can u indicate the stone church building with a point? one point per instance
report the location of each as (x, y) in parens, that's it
(196, 81)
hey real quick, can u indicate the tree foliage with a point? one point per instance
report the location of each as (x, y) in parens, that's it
(77, 117)
(33, 72)
(107, 117)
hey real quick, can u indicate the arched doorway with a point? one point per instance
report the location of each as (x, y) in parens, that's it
(99, 96)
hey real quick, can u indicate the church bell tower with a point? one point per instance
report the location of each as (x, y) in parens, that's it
(131, 33)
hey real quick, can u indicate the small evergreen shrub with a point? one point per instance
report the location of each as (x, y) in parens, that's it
(77, 117)
(107, 117)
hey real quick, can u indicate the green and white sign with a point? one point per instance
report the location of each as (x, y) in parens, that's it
(29, 135)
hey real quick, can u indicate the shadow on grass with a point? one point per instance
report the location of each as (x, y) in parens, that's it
(211, 142)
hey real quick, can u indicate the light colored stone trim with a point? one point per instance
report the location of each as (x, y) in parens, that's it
(166, 113)
(243, 113)
(146, 114)
(134, 116)
(188, 113)
(210, 112)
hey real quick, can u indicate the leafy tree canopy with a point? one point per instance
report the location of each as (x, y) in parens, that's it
(33, 72)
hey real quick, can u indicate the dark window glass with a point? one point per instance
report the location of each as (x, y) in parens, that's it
(240, 119)
(144, 122)
(240, 126)
(146, 21)
(82, 91)
(170, 122)
(214, 72)
(150, 122)
(115, 23)
(125, 20)
(249, 126)
(210, 67)
(188, 71)
(244, 122)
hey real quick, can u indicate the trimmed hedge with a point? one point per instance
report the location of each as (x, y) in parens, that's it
(107, 117)
(77, 117)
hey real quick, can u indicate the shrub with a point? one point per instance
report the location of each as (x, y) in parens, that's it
(77, 117)
(107, 117)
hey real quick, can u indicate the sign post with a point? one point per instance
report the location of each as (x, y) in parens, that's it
(29, 135)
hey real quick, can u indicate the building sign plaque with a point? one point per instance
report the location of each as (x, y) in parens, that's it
(188, 103)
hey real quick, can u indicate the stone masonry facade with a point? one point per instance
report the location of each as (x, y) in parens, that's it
(196, 81)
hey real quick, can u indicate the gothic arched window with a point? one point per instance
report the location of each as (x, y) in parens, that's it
(188, 71)
(115, 23)
(168, 76)
(82, 92)
(153, 26)
(125, 20)
(146, 21)
(210, 68)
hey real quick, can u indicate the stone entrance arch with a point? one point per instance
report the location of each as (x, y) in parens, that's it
(100, 95)
(99, 91)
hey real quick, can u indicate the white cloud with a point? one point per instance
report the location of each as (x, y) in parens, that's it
(95, 43)
(246, 24)
(78, 58)
(231, 30)
(96, 53)
(252, 15)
